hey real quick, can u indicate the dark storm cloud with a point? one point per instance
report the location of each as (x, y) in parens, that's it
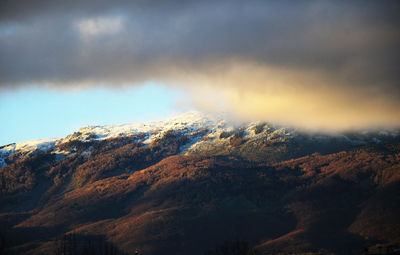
(349, 47)
(39, 40)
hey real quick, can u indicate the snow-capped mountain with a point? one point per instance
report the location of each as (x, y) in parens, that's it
(167, 184)
(205, 134)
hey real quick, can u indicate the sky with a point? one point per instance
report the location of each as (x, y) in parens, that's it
(36, 113)
(320, 65)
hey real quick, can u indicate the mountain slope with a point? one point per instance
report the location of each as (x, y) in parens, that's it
(187, 185)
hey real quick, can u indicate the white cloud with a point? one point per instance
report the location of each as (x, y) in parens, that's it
(99, 26)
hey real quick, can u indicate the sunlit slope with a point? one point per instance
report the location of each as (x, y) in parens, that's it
(187, 189)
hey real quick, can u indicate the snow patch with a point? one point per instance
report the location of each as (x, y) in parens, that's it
(205, 134)
(26, 148)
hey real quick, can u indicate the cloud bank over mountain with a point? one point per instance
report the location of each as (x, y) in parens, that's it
(319, 64)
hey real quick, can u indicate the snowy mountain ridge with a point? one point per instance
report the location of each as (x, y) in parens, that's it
(206, 133)
(189, 122)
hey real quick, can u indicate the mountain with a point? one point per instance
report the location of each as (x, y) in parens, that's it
(200, 185)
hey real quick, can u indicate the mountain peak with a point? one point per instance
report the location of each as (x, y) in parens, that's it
(203, 133)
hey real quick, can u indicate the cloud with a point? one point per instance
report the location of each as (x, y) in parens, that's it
(308, 100)
(99, 26)
(308, 63)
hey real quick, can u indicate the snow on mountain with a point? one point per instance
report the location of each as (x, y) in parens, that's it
(189, 122)
(186, 123)
(26, 148)
(206, 134)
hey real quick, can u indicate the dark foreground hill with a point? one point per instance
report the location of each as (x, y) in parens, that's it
(272, 197)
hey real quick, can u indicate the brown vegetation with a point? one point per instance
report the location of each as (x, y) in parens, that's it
(153, 199)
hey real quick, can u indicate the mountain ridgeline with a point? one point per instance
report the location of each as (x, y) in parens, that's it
(194, 185)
